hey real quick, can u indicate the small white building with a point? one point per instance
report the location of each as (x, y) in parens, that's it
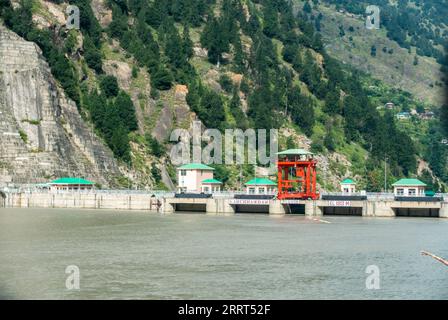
(403, 115)
(190, 177)
(428, 115)
(409, 188)
(348, 186)
(389, 105)
(260, 186)
(211, 185)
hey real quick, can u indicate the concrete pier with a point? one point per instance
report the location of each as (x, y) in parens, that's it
(215, 207)
(443, 213)
(276, 208)
(378, 209)
(312, 209)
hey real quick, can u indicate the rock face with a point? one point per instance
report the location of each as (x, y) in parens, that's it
(41, 132)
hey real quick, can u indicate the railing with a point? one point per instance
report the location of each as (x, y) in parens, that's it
(372, 196)
(156, 193)
(378, 196)
(232, 194)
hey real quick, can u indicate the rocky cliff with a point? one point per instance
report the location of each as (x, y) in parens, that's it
(42, 135)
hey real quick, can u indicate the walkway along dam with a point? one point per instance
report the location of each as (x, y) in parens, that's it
(228, 204)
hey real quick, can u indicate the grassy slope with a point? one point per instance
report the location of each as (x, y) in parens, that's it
(396, 69)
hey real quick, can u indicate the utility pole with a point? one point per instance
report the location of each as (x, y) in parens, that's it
(241, 178)
(385, 174)
(286, 107)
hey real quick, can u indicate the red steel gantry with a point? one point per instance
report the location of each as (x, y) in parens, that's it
(296, 175)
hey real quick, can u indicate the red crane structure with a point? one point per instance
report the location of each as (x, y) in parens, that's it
(297, 175)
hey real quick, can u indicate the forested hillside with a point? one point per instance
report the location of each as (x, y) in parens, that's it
(422, 23)
(404, 67)
(244, 64)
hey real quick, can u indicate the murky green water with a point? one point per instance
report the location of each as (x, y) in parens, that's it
(134, 255)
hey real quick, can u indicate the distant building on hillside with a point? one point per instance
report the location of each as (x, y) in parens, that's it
(403, 115)
(428, 115)
(409, 188)
(348, 186)
(389, 105)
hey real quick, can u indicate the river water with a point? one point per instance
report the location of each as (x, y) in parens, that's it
(137, 255)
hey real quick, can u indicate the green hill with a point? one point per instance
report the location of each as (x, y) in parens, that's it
(372, 51)
(138, 69)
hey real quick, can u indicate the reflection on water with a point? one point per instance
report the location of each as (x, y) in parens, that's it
(136, 255)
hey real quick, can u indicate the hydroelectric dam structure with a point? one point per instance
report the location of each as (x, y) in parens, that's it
(296, 194)
(371, 205)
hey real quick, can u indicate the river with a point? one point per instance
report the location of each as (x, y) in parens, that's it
(138, 255)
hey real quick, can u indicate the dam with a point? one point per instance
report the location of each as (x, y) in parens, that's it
(295, 192)
(372, 205)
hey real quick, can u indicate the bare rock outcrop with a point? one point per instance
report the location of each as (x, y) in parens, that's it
(42, 135)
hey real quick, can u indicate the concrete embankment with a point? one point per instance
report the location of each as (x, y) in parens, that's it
(118, 201)
(311, 208)
(168, 204)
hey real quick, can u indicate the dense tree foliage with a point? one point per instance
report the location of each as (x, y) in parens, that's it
(444, 117)
(275, 49)
(114, 119)
(109, 86)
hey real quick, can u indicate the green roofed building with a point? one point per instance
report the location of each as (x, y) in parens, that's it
(195, 166)
(409, 188)
(71, 184)
(190, 178)
(295, 152)
(348, 186)
(211, 185)
(260, 186)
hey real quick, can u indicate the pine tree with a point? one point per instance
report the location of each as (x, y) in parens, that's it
(215, 39)
(174, 49)
(126, 111)
(162, 78)
(92, 55)
(187, 44)
(270, 21)
(213, 110)
(109, 86)
(373, 51)
(332, 101)
(119, 143)
(239, 61)
(307, 7)
(237, 112)
(302, 110)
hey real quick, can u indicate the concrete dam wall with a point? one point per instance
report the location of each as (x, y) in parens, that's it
(168, 204)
